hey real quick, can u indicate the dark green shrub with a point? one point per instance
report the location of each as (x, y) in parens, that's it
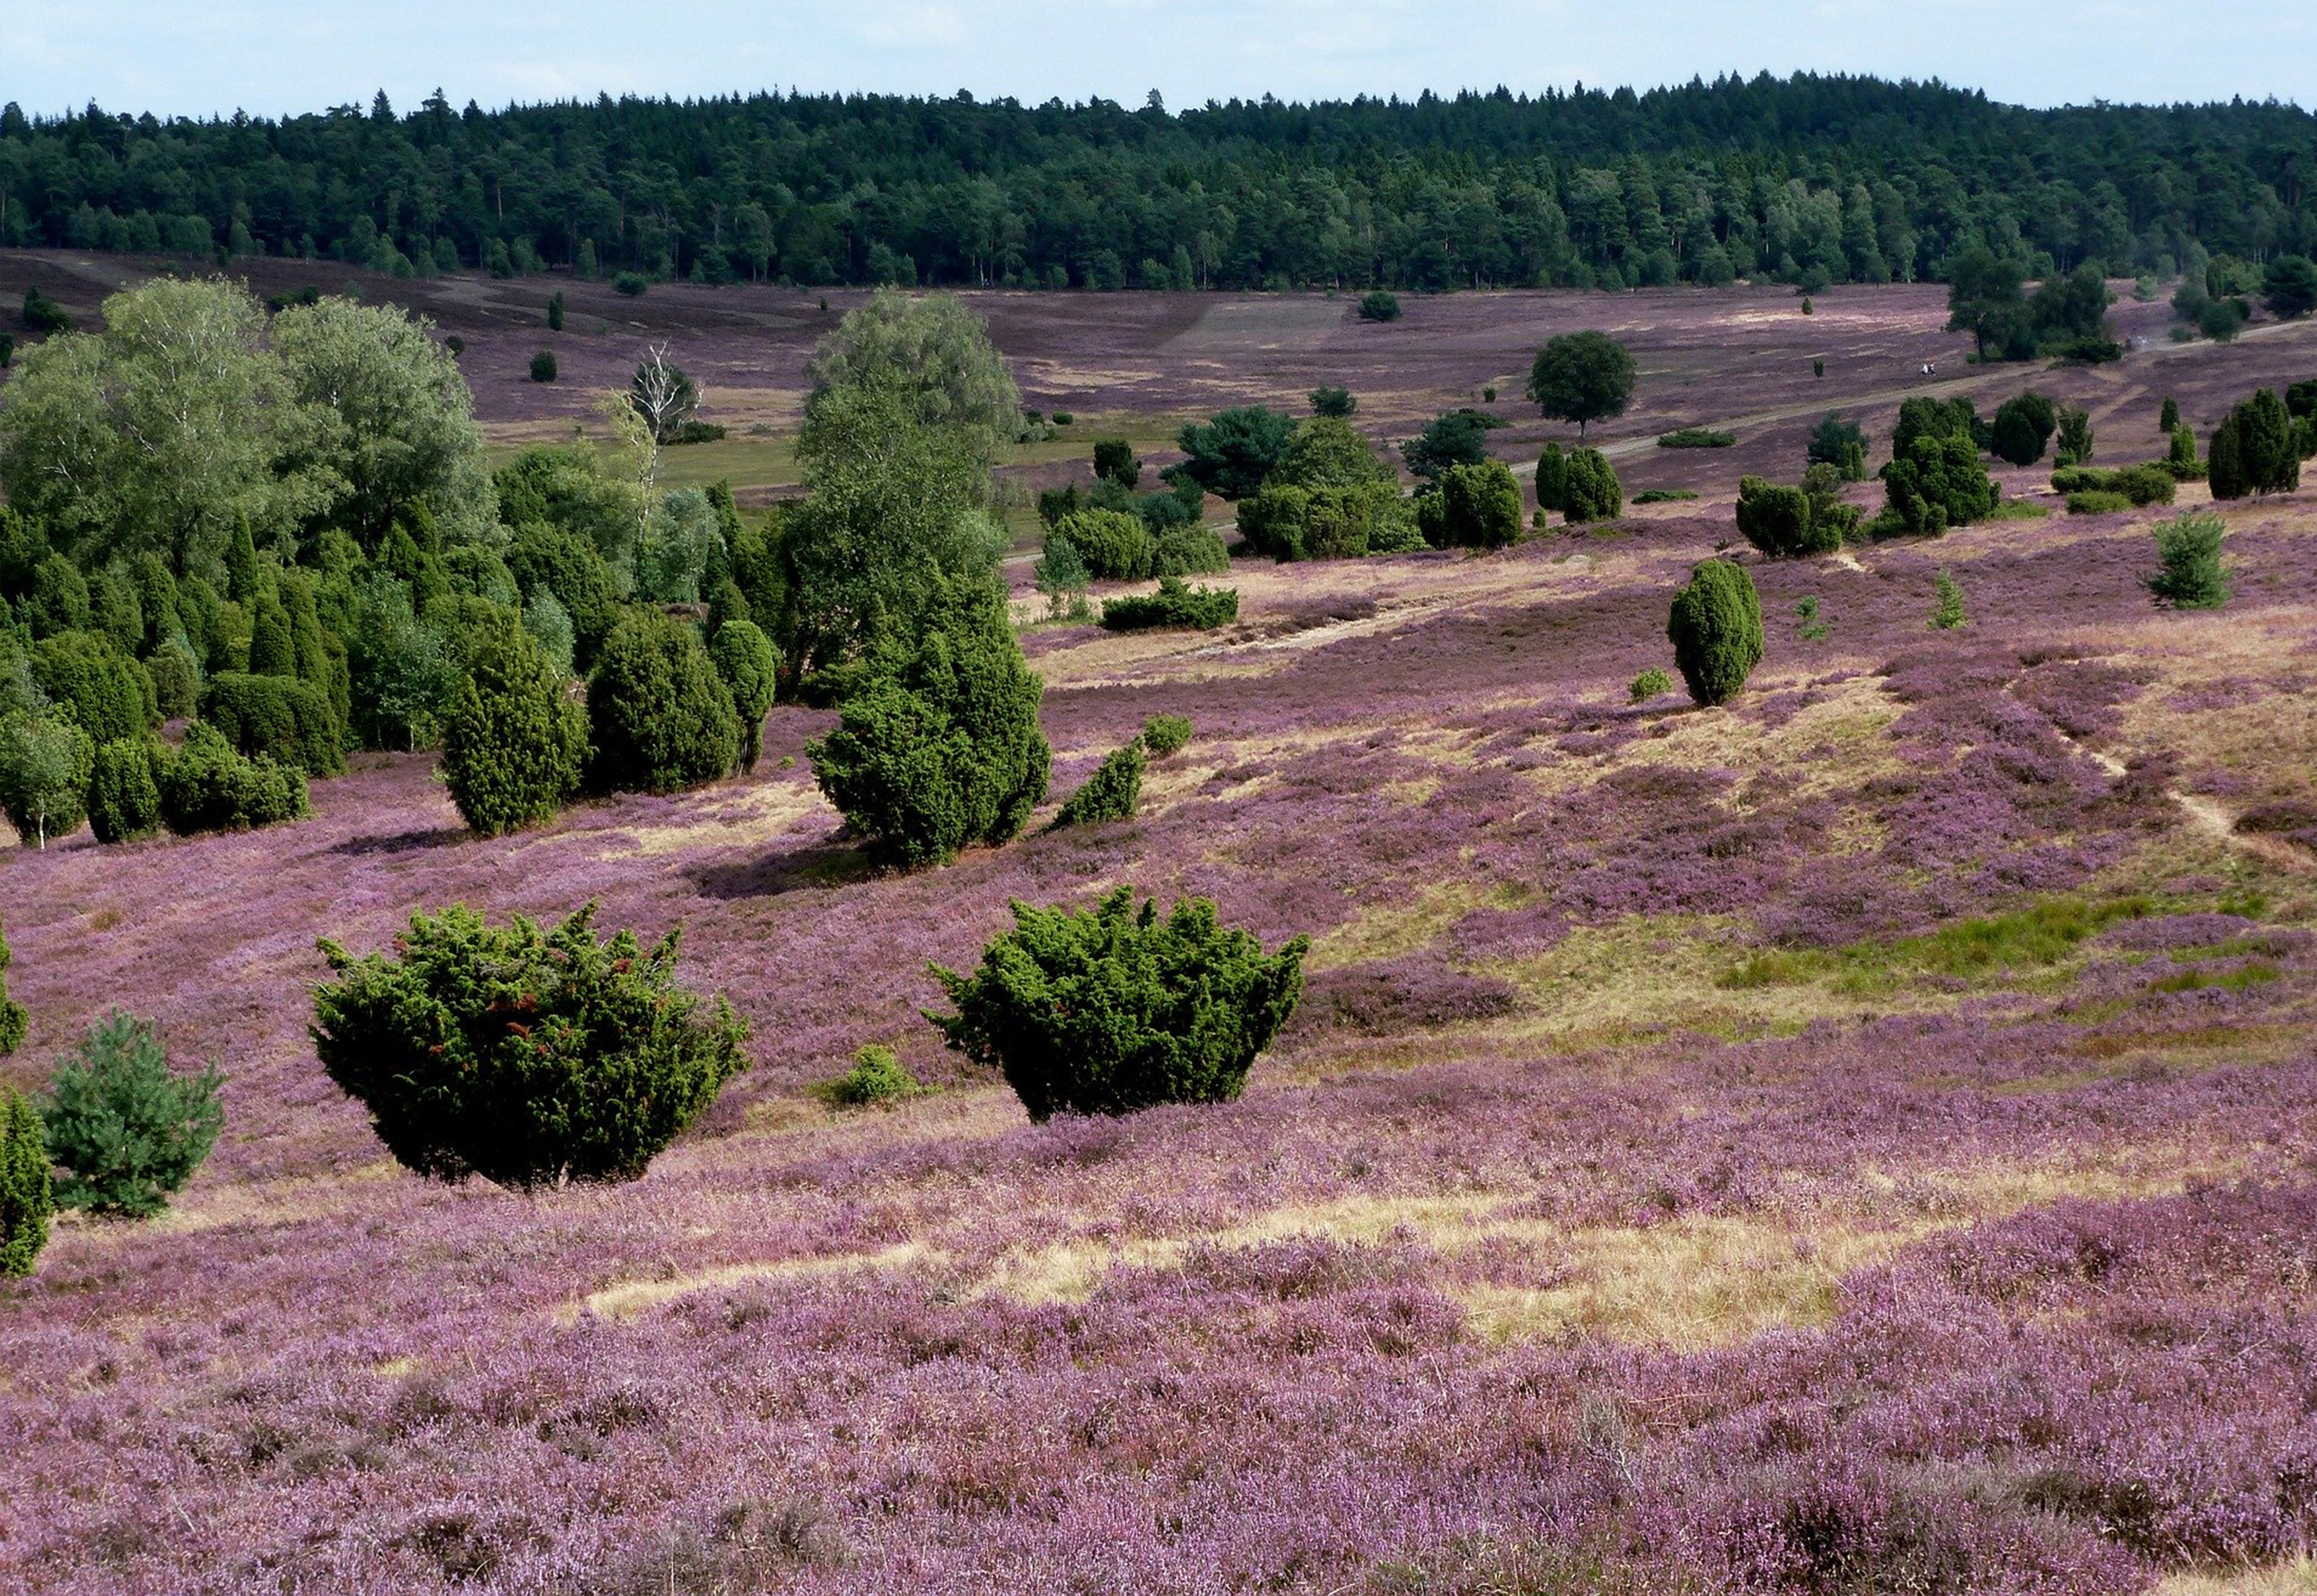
(1382, 305)
(1115, 546)
(25, 1198)
(1273, 521)
(2074, 445)
(937, 744)
(45, 763)
(1552, 479)
(207, 786)
(631, 283)
(1478, 507)
(126, 1131)
(544, 366)
(1230, 454)
(1842, 444)
(2190, 572)
(124, 801)
(1592, 491)
(1114, 462)
(544, 557)
(1661, 496)
(2180, 459)
(13, 1020)
(1776, 519)
(1716, 631)
(1174, 605)
(514, 744)
(1111, 793)
(2168, 418)
(1938, 483)
(1695, 438)
(177, 680)
(1105, 1011)
(1334, 402)
(528, 1056)
(58, 601)
(1164, 734)
(1190, 550)
(744, 658)
(1949, 615)
(278, 717)
(92, 682)
(2023, 424)
(877, 1076)
(1650, 684)
(2097, 501)
(659, 719)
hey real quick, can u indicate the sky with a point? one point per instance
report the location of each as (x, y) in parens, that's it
(273, 57)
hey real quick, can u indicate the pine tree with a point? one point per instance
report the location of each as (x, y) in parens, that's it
(25, 1198)
(244, 575)
(273, 652)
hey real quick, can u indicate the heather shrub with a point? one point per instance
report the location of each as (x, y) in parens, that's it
(659, 719)
(1174, 605)
(937, 744)
(1715, 627)
(26, 1201)
(92, 682)
(528, 1056)
(207, 786)
(124, 1130)
(1112, 793)
(124, 801)
(513, 744)
(877, 1076)
(1650, 684)
(1114, 546)
(1106, 1009)
(13, 1020)
(278, 718)
(2190, 572)
(44, 770)
(1188, 550)
(1164, 734)
(1591, 491)
(744, 658)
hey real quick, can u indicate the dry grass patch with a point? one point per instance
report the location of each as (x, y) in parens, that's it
(748, 817)
(625, 1299)
(2295, 1576)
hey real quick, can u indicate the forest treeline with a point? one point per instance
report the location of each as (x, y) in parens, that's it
(1808, 179)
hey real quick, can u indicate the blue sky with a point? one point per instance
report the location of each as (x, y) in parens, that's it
(275, 55)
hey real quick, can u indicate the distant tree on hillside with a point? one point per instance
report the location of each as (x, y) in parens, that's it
(2291, 287)
(1581, 377)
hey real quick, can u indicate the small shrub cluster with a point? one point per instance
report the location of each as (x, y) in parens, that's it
(2257, 450)
(877, 1076)
(1113, 792)
(1652, 684)
(1590, 490)
(208, 786)
(1936, 483)
(1382, 304)
(659, 719)
(1176, 604)
(515, 745)
(2190, 572)
(1664, 495)
(1695, 438)
(528, 1056)
(2138, 486)
(1113, 546)
(124, 799)
(1715, 627)
(1164, 734)
(2097, 501)
(2023, 425)
(1476, 506)
(127, 1131)
(1842, 444)
(278, 718)
(1108, 1010)
(1784, 521)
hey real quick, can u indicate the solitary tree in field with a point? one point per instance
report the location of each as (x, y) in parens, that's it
(1582, 377)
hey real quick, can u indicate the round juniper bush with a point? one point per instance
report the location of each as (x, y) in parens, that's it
(1715, 627)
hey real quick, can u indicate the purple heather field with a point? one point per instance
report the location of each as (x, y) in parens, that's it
(1856, 1140)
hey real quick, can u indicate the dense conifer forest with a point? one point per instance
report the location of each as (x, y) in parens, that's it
(1808, 178)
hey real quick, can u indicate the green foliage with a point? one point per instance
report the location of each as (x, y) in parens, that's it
(513, 744)
(1695, 438)
(548, 623)
(1552, 479)
(1663, 496)
(937, 744)
(1477, 507)
(1581, 377)
(1062, 578)
(1842, 444)
(124, 800)
(1948, 616)
(1329, 451)
(2023, 424)
(2290, 287)
(1231, 454)
(1336, 402)
(125, 1131)
(2097, 501)
(528, 1056)
(2075, 446)
(663, 396)
(2141, 485)
(1653, 683)
(555, 312)
(2190, 573)
(633, 285)
(59, 599)
(1113, 546)
(931, 353)
(543, 367)
(42, 315)
(1114, 462)
(207, 786)
(877, 1076)
(1382, 304)
(277, 717)
(1164, 734)
(1107, 1010)
(1932, 418)
(1190, 550)
(1591, 491)
(2220, 320)
(2180, 456)
(44, 769)
(744, 658)
(1112, 793)
(271, 651)
(678, 548)
(1938, 483)
(659, 719)
(13, 1020)
(93, 685)
(1458, 438)
(1790, 522)
(26, 1201)
(2168, 419)
(177, 678)
(1715, 627)
(1176, 604)
(547, 557)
